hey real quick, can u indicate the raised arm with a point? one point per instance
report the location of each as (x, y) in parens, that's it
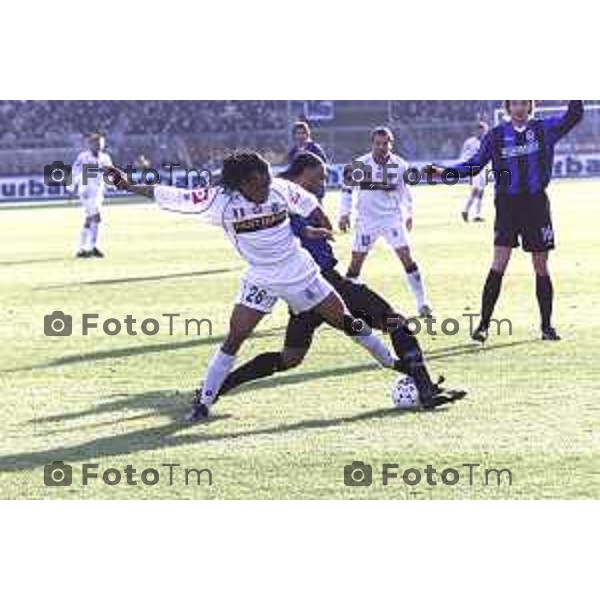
(560, 126)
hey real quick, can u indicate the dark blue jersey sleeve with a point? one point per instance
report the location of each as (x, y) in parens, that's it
(477, 162)
(558, 127)
(298, 224)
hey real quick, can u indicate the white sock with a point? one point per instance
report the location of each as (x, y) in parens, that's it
(469, 203)
(376, 348)
(218, 369)
(85, 239)
(478, 206)
(94, 234)
(416, 284)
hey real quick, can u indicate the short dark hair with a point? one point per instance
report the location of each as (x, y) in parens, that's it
(507, 106)
(241, 166)
(303, 160)
(301, 126)
(382, 130)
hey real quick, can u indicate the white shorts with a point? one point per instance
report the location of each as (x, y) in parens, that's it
(300, 297)
(394, 233)
(91, 206)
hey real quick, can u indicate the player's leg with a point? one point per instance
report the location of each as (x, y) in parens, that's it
(94, 233)
(363, 242)
(414, 278)
(545, 295)
(90, 211)
(253, 303)
(85, 247)
(365, 303)
(491, 291)
(242, 323)
(335, 313)
(298, 339)
(538, 238)
(507, 228)
(469, 203)
(478, 206)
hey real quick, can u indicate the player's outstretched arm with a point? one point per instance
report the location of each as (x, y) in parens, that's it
(470, 167)
(118, 179)
(560, 126)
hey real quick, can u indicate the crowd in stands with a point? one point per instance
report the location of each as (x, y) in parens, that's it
(203, 131)
(29, 118)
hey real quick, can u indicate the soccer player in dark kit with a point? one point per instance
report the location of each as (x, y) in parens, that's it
(521, 151)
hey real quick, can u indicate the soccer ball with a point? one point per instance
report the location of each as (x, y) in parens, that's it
(405, 393)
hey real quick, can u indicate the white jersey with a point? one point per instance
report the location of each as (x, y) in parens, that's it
(84, 167)
(470, 148)
(261, 233)
(376, 207)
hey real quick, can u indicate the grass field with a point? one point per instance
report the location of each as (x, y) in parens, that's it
(115, 401)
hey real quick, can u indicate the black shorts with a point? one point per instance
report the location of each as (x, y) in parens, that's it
(524, 217)
(361, 301)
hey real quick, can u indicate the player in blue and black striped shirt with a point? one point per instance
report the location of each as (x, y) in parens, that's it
(521, 151)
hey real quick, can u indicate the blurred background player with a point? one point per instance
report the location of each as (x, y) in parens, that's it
(479, 181)
(89, 185)
(384, 209)
(521, 150)
(303, 142)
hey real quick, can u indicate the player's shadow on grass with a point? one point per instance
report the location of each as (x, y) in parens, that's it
(30, 261)
(140, 350)
(173, 434)
(302, 376)
(100, 282)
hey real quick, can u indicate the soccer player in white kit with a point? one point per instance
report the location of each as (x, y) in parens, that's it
(253, 209)
(90, 187)
(384, 209)
(478, 182)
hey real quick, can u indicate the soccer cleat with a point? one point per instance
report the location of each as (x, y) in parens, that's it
(425, 311)
(199, 412)
(444, 397)
(465, 216)
(478, 220)
(481, 334)
(83, 254)
(438, 396)
(97, 253)
(549, 335)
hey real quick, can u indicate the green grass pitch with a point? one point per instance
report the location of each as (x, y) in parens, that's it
(115, 401)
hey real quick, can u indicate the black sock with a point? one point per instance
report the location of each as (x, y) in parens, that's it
(491, 291)
(545, 296)
(260, 366)
(409, 352)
